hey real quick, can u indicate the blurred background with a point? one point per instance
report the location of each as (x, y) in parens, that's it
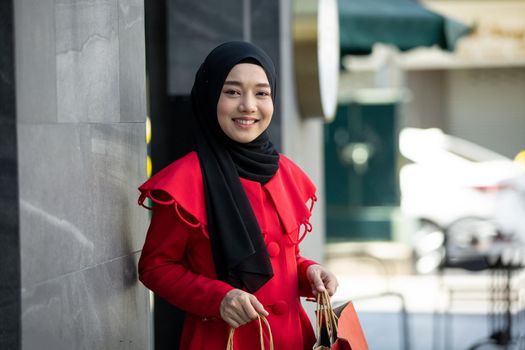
(409, 116)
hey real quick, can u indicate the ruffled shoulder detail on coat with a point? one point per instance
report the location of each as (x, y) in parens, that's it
(180, 185)
(293, 194)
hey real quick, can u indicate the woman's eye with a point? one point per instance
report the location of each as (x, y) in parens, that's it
(263, 93)
(231, 92)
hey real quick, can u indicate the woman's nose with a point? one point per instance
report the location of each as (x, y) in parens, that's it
(248, 104)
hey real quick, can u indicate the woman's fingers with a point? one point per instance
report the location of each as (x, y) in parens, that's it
(318, 285)
(233, 323)
(321, 279)
(331, 284)
(248, 311)
(228, 307)
(314, 276)
(330, 281)
(238, 308)
(230, 317)
(259, 308)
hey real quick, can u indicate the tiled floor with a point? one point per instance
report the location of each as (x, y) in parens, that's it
(367, 270)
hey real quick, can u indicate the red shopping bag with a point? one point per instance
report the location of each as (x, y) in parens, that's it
(338, 329)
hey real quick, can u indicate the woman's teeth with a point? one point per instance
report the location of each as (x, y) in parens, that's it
(245, 122)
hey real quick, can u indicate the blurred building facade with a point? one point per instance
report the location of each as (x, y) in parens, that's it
(474, 92)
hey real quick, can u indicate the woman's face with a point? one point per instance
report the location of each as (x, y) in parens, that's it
(245, 106)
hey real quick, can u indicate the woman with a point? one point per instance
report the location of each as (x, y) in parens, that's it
(223, 240)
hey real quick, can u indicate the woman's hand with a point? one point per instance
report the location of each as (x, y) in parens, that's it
(321, 279)
(239, 307)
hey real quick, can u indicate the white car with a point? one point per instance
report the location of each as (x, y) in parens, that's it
(458, 187)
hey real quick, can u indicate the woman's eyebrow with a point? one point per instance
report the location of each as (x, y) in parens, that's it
(238, 83)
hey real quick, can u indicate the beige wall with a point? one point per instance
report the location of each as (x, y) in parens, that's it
(482, 105)
(487, 106)
(302, 142)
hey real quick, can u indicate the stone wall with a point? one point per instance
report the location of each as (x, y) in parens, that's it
(81, 110)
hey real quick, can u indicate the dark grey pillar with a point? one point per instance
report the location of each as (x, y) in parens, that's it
(195, 28)
(180, 33)
(265, 32)
(9, 225)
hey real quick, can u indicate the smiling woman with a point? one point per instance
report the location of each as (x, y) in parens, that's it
(245, 106)
(223, 243)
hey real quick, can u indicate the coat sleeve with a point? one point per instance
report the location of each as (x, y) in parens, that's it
(162, 268)
(305, 289)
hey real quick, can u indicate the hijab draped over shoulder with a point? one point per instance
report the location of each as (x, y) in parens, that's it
(238, 248)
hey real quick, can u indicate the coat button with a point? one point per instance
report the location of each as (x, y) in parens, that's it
(280, 307)
(273, 249)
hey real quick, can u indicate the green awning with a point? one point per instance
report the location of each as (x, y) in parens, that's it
(403, 23)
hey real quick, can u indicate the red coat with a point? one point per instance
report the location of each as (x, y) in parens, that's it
(177, 264)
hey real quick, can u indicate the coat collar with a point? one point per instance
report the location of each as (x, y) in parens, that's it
(180, 184)
(290, 189)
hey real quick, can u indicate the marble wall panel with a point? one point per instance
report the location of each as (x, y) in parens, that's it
(103, 307)
(194, 28)
(78, 195)
(81, 155)
(132, 61)
(35, 60)
(87, 60)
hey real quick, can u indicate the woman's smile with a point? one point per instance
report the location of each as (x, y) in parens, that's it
(245, 122)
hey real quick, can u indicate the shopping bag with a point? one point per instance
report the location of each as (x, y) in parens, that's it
(338, 329)
(261, 320)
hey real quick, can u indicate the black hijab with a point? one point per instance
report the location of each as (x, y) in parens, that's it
(238, 248)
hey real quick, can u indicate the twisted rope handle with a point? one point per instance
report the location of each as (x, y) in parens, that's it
(326, 315)
(261, 319)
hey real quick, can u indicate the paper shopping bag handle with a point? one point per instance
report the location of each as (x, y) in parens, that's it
(326, 316)
(261, 320)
